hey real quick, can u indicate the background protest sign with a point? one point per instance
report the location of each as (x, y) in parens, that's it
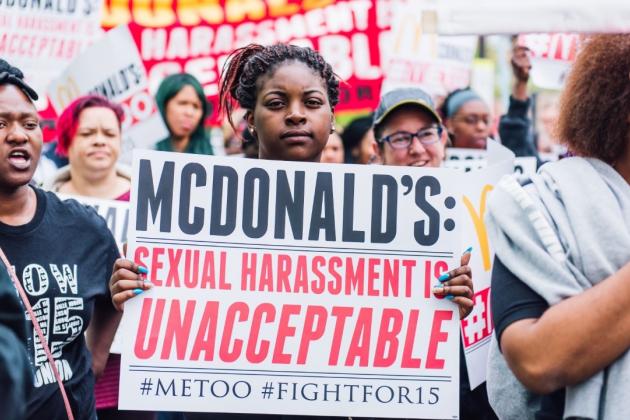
(42, 38)
(295, 288)
(478, 327)
(419, 57)
(112, 68)
(486, 17)
(115, 213)
(472, 159)
(196, 37)
(552, 56)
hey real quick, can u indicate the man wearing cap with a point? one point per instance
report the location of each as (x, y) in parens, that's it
(408, 130)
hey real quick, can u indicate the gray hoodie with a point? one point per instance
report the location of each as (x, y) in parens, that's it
(562, 233)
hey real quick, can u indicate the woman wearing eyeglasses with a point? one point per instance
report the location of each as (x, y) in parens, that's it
(467, 119)
(407, 129)
(409, 132)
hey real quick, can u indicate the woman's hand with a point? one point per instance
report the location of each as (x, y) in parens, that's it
(128, 280)
(457, 285)
(521, 68)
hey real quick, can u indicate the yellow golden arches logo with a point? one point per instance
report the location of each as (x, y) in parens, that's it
(67, 92)
(480, 225)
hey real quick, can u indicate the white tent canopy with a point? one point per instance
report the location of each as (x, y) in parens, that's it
(485, 17)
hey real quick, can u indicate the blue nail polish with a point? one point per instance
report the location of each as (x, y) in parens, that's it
(470, 248)
(450, 297)
(137, 291)
(143, 270)
(444, 277)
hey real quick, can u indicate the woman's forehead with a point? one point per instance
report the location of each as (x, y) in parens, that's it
(292, 75)
(12, 99)
(475, 106)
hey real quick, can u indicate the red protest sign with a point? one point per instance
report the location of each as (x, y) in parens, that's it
(196, 38)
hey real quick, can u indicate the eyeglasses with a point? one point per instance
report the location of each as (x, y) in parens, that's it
(403, 139)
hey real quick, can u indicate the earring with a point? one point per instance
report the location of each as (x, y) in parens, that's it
(251, 130)
(332, 129)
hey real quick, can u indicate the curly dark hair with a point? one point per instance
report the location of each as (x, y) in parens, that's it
(246, 65)
(595, 103)
(14, 76)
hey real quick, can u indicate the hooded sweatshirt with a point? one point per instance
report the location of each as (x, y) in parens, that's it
(562, 232)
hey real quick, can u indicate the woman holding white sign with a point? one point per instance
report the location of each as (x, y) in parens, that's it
(289, 94)
(409, 132)
(62, 254)
(561, 278)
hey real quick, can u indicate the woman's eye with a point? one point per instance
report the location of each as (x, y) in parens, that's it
(314, 102)
(398, 139)
(274, 104)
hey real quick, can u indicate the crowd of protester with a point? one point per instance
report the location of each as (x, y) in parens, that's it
(562, 237)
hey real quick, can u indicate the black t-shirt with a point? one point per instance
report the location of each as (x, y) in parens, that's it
(63, 257)
(15, 371)
(512, 300)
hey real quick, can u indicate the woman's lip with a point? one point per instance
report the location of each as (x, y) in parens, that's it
(20, 163)
(297, 139)
(187, 125)
(296, 133)
(100, 153)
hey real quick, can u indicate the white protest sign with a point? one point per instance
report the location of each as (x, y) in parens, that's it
(113, 68)
(485, 17)
(552, 56)
(115, 213)
(42, 38)
(477, 328)
(292, 288)
(419, 57)
(473, 159)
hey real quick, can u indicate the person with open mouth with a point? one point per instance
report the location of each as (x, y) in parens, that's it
(61, 254)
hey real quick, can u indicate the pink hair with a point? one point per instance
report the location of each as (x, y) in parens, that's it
(69, 118)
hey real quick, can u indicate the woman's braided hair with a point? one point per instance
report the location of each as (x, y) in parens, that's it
(14, 76)
(246, 65)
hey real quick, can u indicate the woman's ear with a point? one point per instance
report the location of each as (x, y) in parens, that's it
(448, 125)
(249, 117)
(376, 156)
(444, 137)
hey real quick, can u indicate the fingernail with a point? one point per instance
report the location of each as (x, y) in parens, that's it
(470, 248)
(450, 297)
(143, 270)
(137, 291)
(444, 277)
(438, 289)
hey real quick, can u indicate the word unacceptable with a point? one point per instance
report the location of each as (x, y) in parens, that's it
(259, 333)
